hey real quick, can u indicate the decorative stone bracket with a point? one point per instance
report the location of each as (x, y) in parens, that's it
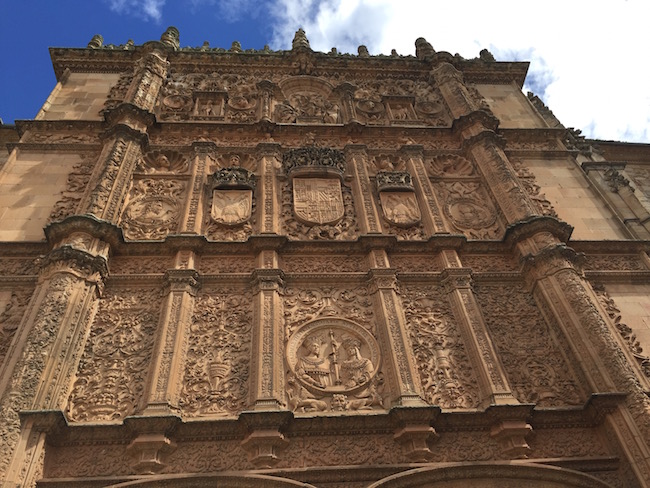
(265, 442)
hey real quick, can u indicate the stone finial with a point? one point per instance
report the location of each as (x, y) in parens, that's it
(129, 45)
(363, 51)
(171, 37)
(96, 42)
(300, 40)
(393, 53)
(423, 50)
(486, 55)
(205, 46)
(235, 47)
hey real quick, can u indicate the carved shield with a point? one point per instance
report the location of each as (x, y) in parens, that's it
(400, 207)
(318, 200)
(231, 207)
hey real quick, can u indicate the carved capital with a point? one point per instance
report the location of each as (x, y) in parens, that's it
(131, 116)
(414, 431)
(382, 279)
(184, 280)
(456, 278)
(149, 451)
(126, 133)
(264, 447)
(80, 263)
(480, 118)
(268, 279)
(204, 147)
(550, 260)
(511, 436)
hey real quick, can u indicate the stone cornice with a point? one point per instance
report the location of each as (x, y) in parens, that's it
(527, 228)
(107, 232)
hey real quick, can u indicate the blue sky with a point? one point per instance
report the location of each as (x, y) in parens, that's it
(588, 58)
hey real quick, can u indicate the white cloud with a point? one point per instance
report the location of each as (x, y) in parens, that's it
(587, 58)
(147, 9)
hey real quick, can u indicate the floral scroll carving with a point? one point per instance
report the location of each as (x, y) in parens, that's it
(442, 361)
(217, 368)
(153, 210)
(12, 307)
(77, 181)
(112, 372)
(529, 182)
(528, 348)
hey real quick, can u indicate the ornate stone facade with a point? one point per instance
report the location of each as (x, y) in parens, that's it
(291, 268)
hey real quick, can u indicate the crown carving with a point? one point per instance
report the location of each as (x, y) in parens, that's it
(314, 161)
(394, 180)
(232, 178)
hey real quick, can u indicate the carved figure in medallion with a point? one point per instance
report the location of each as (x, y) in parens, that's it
(231, 207)
(312, 367)
(355, 370)
(400, 208)
(467, 213)
(318, 200)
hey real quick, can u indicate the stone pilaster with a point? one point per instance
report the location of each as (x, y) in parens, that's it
(269, 194)
(566, 298)
(125, 137)
(366, 207)
(170, 350)
(204, 154)
(493, 382)
(53, 333)
(392, 330)
(267, 365)
(266, 88)
(346, 90)
(415, 164)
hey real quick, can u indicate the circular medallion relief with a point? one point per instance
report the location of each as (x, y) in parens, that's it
(333, 355)
(153, 210)
(467, 214)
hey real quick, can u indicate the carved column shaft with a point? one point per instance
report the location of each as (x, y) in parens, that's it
(493, 382)
(346, 91)
(171, 347)
(383, 283)
(562, 292)
(53, 334)
(415, 164)
(150, 72)
(268, 191)
(366, 206)
(450, 82)
(267, 364)
(204, 153)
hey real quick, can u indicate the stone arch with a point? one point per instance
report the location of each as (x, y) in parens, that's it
(222, 480)
(490, 475)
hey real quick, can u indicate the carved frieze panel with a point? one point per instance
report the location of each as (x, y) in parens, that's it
(445, 370)
(323, 264)
(208, 457)
(18, 266)
(624, 330)
(614, 262)
(226, 264)
(87, 460)
(316, 216)
(469, 209)
(12, 307)
(488, 263)
(411, 263)
(567, 443)
(529, 350)
(307, 108)
(75, 186)
(162, 162)
(217, 367)
(112, 372)
(466, 446)
(126, 265)
(333, 364)
(153, 210)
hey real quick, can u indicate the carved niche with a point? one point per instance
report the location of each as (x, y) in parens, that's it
(333, 364)
(113, 369)
(162, 162)
(217, 367)
(153, 210)
(306, 100)
(316, 205)
(446, 373)
(231, 204)
(528, 348)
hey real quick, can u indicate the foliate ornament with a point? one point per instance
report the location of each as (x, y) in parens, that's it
(113, 369)
(162, 162)
(335, 362)
(75, 186)
(12, 307)
(529, 183)
(307, 108)
(218, 361)
(153, 210)
(529, 350)
(445, 370)
(118, 91)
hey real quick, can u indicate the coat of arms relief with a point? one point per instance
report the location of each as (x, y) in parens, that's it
(232, 203)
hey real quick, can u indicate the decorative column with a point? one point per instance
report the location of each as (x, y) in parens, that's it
(392, 328)
(457, 283)
(357, 158)
(567, 300)
(182, 284)
(268, 193)
(39, 369)
(268, 360)
(204, 154)
(127, 133)
(346, 92)
(415, 165)
(266, 88)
